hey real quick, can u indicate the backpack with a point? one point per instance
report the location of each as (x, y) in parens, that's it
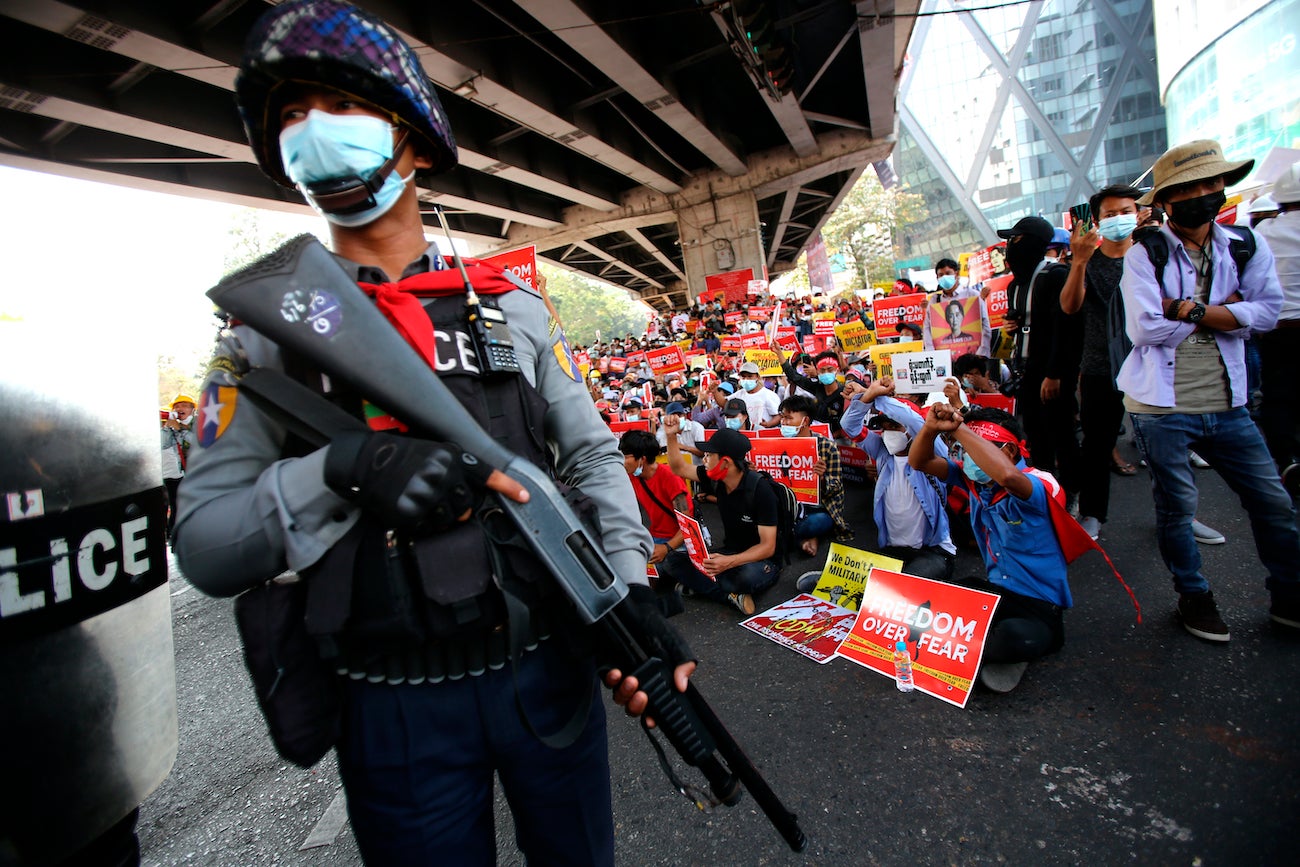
(1241, 246)
(787, 511)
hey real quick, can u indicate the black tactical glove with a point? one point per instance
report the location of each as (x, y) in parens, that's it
(640, 611)
(404, 481)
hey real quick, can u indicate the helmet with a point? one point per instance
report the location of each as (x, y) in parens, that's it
(1286, 189)
(1264, 204)
(336, 45)
(184, 398)
(1060, 238)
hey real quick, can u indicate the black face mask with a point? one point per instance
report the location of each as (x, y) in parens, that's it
(1194, 213)
(1024, 255)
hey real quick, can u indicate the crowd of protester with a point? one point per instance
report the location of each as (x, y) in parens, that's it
(954, 467)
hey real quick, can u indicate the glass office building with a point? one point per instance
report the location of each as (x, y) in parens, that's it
(1024, 109)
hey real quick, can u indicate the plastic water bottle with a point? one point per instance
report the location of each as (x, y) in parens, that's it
(902, 667)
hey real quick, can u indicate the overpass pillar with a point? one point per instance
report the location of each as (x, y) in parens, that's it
(721, 235)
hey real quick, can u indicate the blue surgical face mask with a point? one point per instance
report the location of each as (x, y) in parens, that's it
(734, 422)
(326, 146)
(826, 378)
(974, 473)
(633, 416)
(966, 383)
(790, 430)
(947, 281)
(749, 384)
(637, 471)
(1117, 228)
(859, 368)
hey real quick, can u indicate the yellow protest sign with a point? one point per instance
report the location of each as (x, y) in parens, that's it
(844, 577)
(882, 355)
(768, 363)
(854, 336)
(685, 345)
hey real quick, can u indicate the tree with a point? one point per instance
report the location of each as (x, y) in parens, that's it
(587, 307)
(249, 240)
(863, 225)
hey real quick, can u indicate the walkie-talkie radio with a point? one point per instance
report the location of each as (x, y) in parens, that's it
(493, 344)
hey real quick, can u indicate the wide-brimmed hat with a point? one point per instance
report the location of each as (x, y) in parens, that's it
(1195, 161)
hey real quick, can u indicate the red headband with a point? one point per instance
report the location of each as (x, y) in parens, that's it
(828, 362)
(996, 433)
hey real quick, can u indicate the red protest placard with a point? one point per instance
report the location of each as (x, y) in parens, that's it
(789, 461)
(731, 342)
(824, 323)
(955, 325)
(635, 357)
(582, 359)
(995, 400)
(888, 312)
(760, 314)
(668, 359)
(787, 339)
(522, 263)
(735, 317)
(621, 427)
(757, 340)
(807, 625)
(997, 302)
(734, 285)
(943, 626)
(853, 464)
(989, 262)
(693, 538)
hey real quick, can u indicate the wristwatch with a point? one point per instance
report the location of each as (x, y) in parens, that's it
(1197, 313)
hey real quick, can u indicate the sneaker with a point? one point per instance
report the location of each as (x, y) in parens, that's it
(1286, 612)
(1091, 526)
(743, 601)
(1002, 677)
(807, 582)
(1197, 461)
(1200, 616)
(1207, 535)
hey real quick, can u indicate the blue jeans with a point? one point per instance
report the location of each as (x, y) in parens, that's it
(814, 525)
(417, 763)
(1232, 444)
(751, 578)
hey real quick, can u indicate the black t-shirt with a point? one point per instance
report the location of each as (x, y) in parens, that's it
(1101, 281)
(740, 524)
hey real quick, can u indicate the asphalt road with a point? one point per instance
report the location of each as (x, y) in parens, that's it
(1134, 744)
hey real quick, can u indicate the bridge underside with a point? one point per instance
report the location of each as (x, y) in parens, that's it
(586, 128)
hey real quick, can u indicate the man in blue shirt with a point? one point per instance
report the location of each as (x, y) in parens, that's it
(1011, 515)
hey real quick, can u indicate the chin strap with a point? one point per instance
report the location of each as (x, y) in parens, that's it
(351, 194)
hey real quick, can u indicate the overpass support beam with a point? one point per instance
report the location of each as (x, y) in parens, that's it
(719, 235)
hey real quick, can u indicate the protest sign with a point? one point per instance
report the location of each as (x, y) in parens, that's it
(756, 287)
(987, 263)
(522, 263)
(668, 359)
(735, 317)
(853, 464)
(757, 340)
(693, 539)
(888, 312)
(621, 427)
(817, 427)
(942, 625)
(955, 324)
(854, 336)
(617, 365)
(635, 357)
(734, 285)
(685, 345)
(760, 314)
(651, 573)
(787, 339)
(995, 400)
(997, 300)
(915, 372)
(700, 362)
(807, 625)
(844, 577)
(692, 326)
(768, 365)
(731, 342)
(882, 354)
(814, 344)
(789, 461)
(824, 323)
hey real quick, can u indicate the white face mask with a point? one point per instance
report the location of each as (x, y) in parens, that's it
(895, 440)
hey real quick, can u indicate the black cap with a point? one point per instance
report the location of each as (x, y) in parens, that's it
(727, 443)
(735, 406)
(1034, 227)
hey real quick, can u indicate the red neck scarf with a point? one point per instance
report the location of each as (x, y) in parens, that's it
(400, 301)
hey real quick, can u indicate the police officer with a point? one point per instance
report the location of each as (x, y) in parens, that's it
(406, 593)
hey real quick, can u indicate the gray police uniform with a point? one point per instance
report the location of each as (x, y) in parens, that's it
(248, 514)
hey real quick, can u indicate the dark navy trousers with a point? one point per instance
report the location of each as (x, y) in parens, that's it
(417, 763)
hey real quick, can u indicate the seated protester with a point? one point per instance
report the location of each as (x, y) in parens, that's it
(708, 409)
(827, 519)
(909, 331)
(736, 415)
(746, 563)
(1012, 519)
(632, 409)
(659, 492)
(689, 434)
(908, 507)
(826, 390)
(762, 404)
(978, 374)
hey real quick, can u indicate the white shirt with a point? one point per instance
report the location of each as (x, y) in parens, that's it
(903, 513)
(762, 403)
(690, 435)
(1283, 235)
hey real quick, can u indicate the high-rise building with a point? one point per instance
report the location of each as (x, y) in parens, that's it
(1022, 109)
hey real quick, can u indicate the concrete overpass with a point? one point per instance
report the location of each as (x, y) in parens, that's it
(644, 144)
